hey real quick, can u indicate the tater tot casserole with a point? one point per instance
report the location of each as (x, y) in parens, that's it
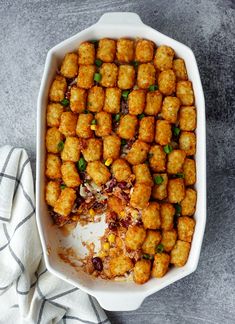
(121, 142)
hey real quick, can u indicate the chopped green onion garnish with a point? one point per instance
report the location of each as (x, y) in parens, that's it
(141, 116)
(147, 257)
(150, 155)
(177, 209)
(94, 41)
(93, 122)
(125, 94)
(135, 63)
(81, 164)
(180, 175)
(123, 142)
(86, 111)
(158, 179)
(153, 87)
(60, 146)
(62, 186)
(117, 117)
(98, 62)
(97, 77)
(64, 102)
(176, 131)
(168, 149)
(160, 248)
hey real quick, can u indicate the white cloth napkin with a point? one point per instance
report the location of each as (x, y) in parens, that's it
(28, 292)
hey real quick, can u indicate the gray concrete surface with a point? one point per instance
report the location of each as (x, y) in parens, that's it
(29, 28)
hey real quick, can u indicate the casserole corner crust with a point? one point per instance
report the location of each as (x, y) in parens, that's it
(120, 141)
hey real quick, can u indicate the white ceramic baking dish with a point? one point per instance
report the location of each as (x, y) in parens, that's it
(113, 295)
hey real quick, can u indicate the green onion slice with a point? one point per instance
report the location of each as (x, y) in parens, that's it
(97, 77)
(180, 175)
(81, 164)
(177, 209)
(117, 117)
(158, 180)
(64, 102)
(153, 87)
(160, 248)
(168, 149)
(62, 186)
(141, 116)
(93, 122)
(125, 94)
(98, 62)
(135, 63)
(60, 146)
(123, 142)
(176, 131)
(147, 256)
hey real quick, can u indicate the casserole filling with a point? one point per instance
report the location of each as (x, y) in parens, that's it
(121, 141)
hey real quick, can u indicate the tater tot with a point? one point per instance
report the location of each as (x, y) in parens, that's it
(126, 77)
(163, 132)
(187, 118)
(135, 237)
(138, 152)
(86, 53)
(140, 196)
(166, 82)
(146, 75)
(153, 103)
(188, 204)
(175, 161)
(106, 50)
(163, 58)
(70, 174)
(153, 238)
(185, 227)
(121, 170)
(53, 138)
(54, 111)
(180, 69)
(176, 190)
(146, 129)
(52, 192)
(125, 50)
(136, 102)
(160, 190)
(189, 170)
(142, 174)
(115, 204)
(104, 123)
(65, 202)
(187, 142)
(93, 150)
(142, 270)
(68, 123)
(95, 99)
(71, 150)
(180, 252)
(144, 50)
(127, 126)
(151, 216)
(83, 128)
(98, 172)
(167, 216)
(58, 89)
(109, 73)
(112, 100)
(170, 108)
(120, 265)
(112, 144)
(69, 67)
(184, 91)
(160, 265)
(168, 239)
(157, 158)
(77, 99)
(85, 77)
(53, 165)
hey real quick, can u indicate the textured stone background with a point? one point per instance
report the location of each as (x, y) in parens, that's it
(30, 28)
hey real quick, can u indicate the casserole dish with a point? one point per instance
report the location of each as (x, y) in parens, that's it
(113, 295)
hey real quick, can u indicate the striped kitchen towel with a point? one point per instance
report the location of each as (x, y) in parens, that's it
(28, 292)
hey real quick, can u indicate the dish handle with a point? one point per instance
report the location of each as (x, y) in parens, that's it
(120, 18)
(115, 302)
